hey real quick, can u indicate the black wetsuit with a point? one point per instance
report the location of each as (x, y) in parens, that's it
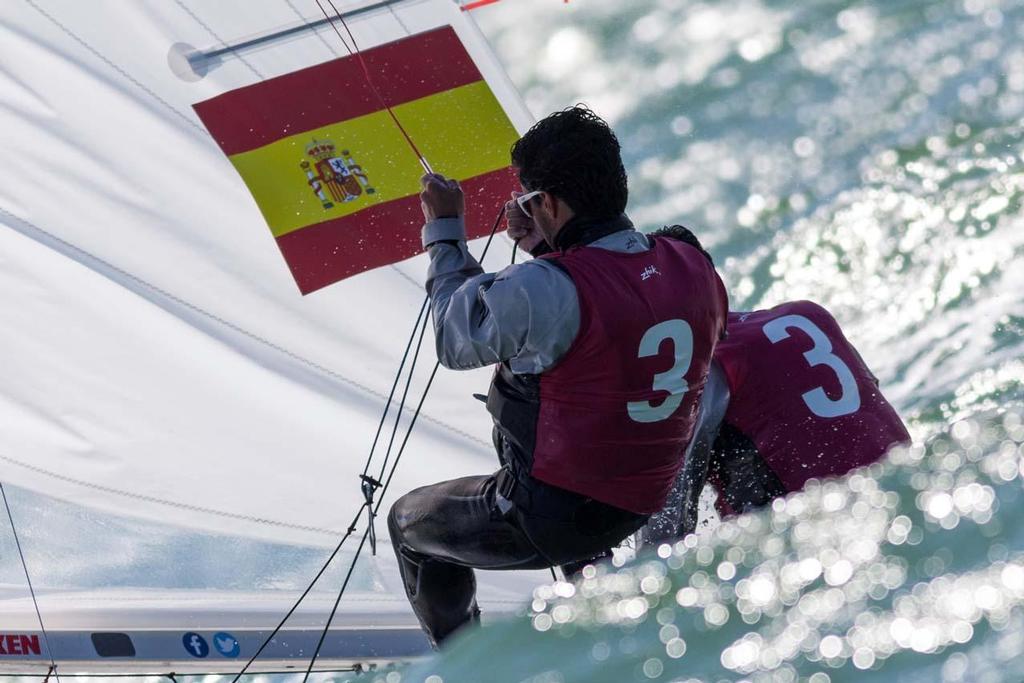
(444, 531)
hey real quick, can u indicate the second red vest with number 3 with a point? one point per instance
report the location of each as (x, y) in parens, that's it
(803, 395)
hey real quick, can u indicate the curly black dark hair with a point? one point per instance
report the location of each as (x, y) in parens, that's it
(574, 155)
(683, 234)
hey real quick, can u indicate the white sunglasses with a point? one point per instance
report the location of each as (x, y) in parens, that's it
(524, 201)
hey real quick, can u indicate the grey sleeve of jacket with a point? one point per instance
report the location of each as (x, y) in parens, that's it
(527, 314)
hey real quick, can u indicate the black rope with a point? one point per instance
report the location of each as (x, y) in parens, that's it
(355, 558)
(337, 601)
(369, 484)
(405, 394)
(375, 484)
(351, 529)
(31, 590)
(408, 433)
(490, 238)
(394, 385)
(394, 467)
(433, 373)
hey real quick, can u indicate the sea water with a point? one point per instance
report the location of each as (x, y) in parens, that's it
(869, 156)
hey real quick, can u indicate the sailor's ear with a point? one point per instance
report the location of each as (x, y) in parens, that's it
(551, 204)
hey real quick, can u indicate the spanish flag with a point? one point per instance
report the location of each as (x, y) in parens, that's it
(333, 175)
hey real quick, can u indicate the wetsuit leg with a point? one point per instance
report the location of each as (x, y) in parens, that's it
(440, 532)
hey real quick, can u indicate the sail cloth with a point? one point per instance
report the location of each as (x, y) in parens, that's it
(158, 361)
(334, 175)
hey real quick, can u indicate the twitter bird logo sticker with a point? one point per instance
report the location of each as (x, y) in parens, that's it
(226, 644)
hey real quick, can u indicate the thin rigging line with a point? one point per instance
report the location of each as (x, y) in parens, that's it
(369, 81)
(31, 590)
(71, 34)
(312, 29)
(408, 432)
(433, 373)
(391, 9)
(369, 485)
(169, 503)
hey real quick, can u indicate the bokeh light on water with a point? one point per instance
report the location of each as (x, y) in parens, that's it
(911, 569)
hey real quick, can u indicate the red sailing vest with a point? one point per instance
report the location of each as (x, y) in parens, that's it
(803, 395)
(618, 409)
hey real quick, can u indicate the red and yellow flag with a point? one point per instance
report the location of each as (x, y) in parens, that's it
(333, 175)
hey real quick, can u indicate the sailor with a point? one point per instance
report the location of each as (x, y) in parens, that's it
(600, 367)
(788, 399)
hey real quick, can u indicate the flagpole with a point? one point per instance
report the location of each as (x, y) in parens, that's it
(200, 61)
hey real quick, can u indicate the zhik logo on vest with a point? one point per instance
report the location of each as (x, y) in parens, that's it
(649, 272)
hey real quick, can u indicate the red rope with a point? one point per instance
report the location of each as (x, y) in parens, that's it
(369, 81)
(477, 3)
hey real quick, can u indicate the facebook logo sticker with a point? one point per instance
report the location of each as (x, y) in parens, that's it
(195, 644)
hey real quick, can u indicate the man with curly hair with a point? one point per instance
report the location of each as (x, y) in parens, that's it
(600, 367)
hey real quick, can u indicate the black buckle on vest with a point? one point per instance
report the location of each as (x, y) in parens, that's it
(505, 486)
(507, 483)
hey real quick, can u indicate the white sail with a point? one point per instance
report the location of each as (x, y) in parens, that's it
(159, 362)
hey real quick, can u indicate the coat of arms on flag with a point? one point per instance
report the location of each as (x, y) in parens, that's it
(335, 173)
(332, 174)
